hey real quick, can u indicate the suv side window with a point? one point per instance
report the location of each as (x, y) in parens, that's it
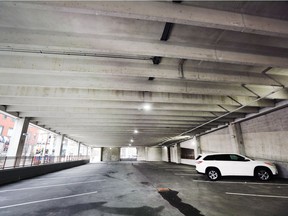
(221, 157)
(236, 158)
(209, 157)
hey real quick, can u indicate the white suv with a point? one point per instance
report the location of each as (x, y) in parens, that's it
(225, 164)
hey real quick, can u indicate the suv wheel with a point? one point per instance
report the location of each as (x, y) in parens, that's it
(263, 174)
(213, 174)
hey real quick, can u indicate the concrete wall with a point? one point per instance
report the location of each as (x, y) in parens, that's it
(264, 137)
(141, 155)
(95, 155)
(17, 174)
(165, 153)
(111, 154)
(218, 141)
(153, 154)
(189, 144)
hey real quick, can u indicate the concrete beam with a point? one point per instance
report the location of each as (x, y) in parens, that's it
(95, 117)
(133, 96)
(51, 42)
(127, 84)
(167, 12)
(119, 105)
(41, 110)
(37, 63)
(127, 124)
(72, 121)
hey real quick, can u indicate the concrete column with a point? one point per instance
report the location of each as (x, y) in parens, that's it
(198, 149)
(178, 153)
(59, 144)
(236, 138)
(18, 140)
(79, 145)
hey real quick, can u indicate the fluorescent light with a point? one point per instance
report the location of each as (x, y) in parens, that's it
(131, 140)
(135, 131)
(147, 107)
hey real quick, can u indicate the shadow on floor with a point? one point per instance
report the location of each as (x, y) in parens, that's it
(99, 206)
(186, 209)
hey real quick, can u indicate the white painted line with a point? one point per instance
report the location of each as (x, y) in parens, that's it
(257, 195)
(58, 185)
(228, 182)
(187, 174)
(40, 179)
(47, 200)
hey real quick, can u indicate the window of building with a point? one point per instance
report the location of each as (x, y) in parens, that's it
(10, 132)
(187, 153)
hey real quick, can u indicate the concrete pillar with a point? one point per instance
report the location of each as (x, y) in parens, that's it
(59, 144)
(17, 140)
(79, 145)
(236, 138)
(198, 149)
(178, 153)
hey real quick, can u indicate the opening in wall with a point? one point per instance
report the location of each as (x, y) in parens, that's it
(128, 154)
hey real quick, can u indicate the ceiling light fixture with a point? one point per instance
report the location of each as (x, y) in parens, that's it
(131, 140)
(147, 107)
(135, 131)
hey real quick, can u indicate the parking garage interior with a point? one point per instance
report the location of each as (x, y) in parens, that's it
(139, 89)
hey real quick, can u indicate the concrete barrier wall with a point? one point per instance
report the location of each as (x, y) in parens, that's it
(264, 138)
(218, 141)
(17, 174)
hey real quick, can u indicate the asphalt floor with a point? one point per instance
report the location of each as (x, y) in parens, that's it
(142, 189)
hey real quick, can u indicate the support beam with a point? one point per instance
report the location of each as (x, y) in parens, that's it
(29, 39)
(117, 95)
(120, 105)
(76, 110)
(167, 12)
(77, 66)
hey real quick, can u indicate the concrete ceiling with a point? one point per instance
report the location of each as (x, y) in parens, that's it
(87, 69)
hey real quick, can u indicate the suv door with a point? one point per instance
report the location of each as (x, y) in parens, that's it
(240, 166)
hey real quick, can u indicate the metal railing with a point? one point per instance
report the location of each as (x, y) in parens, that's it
(28, 161)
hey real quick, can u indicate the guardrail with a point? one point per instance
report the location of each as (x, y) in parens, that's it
(28, 161)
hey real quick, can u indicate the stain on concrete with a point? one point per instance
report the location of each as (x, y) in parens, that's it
(109, 176)
(99, 207)
(145, 183)
(120, 197)
(186, 209)
(128, 174)
(112, 172)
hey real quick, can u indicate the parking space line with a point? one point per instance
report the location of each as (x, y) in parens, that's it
(257, 195)
(46, 186)
(65, 177)
(47, 200)
(186, 174)
(229, 182)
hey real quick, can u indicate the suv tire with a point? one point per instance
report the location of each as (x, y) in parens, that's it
(263, 174)
(213, 173)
